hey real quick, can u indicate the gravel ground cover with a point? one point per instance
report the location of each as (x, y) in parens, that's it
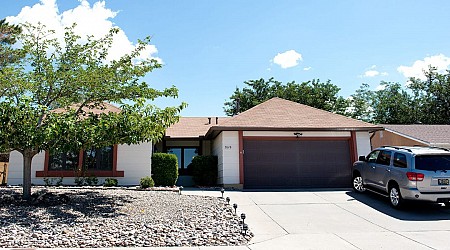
(116, 218)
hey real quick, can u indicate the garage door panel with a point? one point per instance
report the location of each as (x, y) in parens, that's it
(296, 164)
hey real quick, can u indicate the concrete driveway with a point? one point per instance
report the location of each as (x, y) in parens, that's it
(338, 220)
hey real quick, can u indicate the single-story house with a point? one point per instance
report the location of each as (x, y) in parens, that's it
(276, 144)
(127, 163)
(412, 135)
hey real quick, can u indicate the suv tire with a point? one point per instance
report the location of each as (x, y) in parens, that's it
(358, 185)
(395, 197)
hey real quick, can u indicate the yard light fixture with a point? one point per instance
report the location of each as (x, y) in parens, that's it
(243, 218)
(245, 228)
(180, 189)
(235, 207)
(228, 200)
(222, 190)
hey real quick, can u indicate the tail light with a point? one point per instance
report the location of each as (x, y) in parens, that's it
(412, 176)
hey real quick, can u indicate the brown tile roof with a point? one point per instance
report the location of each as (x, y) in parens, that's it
(280, 114)
(192, 127)
(103, 108)
(427, 133)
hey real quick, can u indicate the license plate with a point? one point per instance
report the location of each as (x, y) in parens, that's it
(443, 182)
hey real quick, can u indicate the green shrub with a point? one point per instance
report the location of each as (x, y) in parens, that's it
(110, 182)
(59, 181)
(147, 182)
(204, 170)
(164, 169)
(91, 180)
(48, 181)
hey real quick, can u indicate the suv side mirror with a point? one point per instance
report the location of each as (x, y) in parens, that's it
(362, 158)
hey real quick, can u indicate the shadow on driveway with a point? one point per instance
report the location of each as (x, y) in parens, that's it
(412, 211)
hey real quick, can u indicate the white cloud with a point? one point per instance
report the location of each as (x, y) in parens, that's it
(441, 62)
(307, 68)
(380, 87)
(287, 59)
(371, 73)
(91, 20)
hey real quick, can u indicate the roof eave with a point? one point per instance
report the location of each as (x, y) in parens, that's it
(213, 129)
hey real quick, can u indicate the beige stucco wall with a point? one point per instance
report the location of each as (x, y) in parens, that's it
(384, 137)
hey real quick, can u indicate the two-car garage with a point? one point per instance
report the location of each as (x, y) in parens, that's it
(296, 162)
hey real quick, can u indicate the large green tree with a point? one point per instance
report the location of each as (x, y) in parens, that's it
(432, 97)
(322, 95)
(48, 95)
(392, 105)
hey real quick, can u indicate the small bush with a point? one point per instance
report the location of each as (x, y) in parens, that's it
(91, 180)
(48, 181)
(164, 169)
(110, 182)
(79, 180)
(204, 170)
(147, 182)
(59, 181)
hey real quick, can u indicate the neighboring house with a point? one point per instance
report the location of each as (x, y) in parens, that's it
(127, 163)
(411, 135)
(276, 144)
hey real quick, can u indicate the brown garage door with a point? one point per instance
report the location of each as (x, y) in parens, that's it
(296, 164)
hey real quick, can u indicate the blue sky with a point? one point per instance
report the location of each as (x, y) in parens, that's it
(211, 47)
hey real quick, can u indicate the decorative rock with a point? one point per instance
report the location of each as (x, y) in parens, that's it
(106, 218)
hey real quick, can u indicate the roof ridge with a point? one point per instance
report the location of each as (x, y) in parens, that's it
(294, 103)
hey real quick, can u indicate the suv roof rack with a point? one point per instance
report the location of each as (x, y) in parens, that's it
(398, 148)
(445, 149)
(409, 150)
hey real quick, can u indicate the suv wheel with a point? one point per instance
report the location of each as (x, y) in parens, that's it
(395, 197)
(358, 185)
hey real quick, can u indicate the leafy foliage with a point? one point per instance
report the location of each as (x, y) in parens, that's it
(8, 35)
(204, 170)
(49, 93)
(432, 97)
(322, 95)
(164, 169)
(147, 182)
(111, 182)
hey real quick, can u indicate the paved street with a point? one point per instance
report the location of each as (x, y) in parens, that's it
(338, 220)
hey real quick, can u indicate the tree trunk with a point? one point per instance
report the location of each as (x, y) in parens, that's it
(27, 158)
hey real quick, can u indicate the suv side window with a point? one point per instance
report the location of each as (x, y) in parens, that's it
(372, 157)
(384, 158)
(400, 160)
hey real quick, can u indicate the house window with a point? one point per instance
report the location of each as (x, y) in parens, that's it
(100, 162)
(98, 158)
(63, 161)
(184, 156)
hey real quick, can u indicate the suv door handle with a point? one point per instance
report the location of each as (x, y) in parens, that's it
(388, 170)
(373, 167)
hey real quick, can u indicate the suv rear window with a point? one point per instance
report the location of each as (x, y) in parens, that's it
(433, 162)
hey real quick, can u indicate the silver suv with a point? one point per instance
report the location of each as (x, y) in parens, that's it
(405, 173)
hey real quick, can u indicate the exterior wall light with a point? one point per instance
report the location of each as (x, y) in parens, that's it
(298, 134)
